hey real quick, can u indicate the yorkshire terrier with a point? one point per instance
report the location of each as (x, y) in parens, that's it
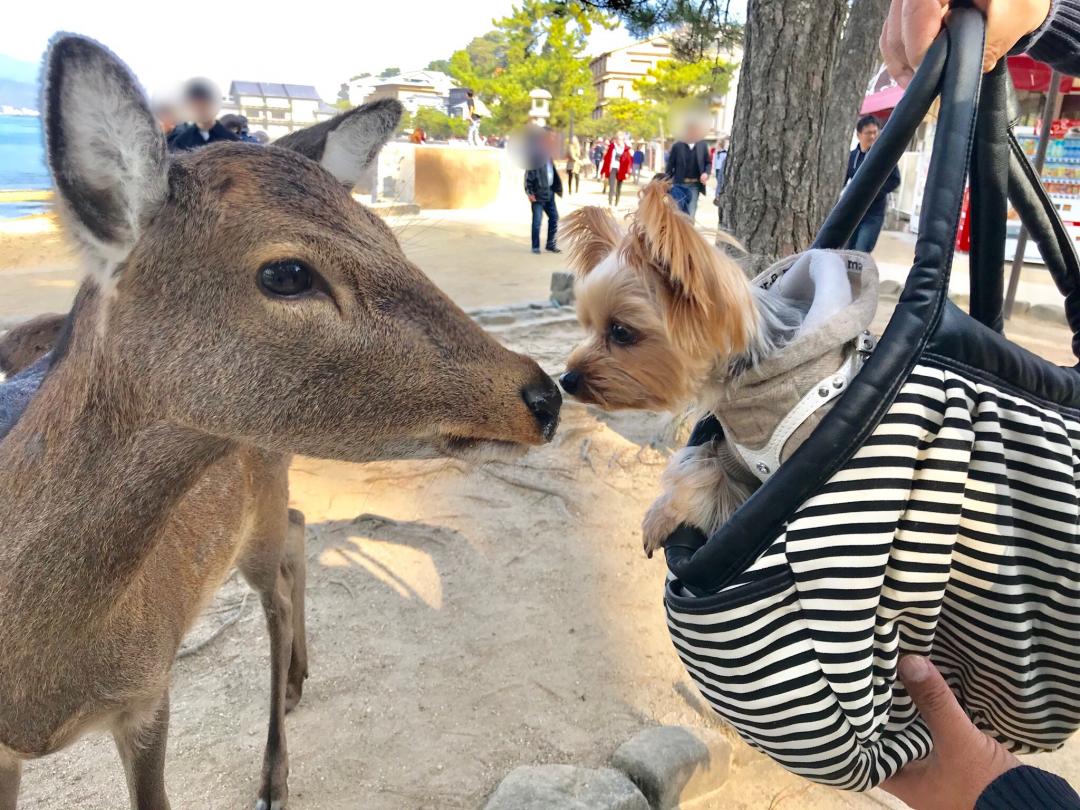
(672, 320)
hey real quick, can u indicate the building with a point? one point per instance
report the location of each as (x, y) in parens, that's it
(415, 89)
(277, 109)
(615, 72)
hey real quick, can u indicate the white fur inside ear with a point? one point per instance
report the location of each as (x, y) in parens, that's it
(347, 156)
(105, 150)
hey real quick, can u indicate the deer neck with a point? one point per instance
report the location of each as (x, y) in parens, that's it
(88, 478)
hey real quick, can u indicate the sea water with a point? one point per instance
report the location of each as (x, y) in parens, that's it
(22, 162)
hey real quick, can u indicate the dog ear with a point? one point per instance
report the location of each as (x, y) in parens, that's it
(591, 233)
(709, 303)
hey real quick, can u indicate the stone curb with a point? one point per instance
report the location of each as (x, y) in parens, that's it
(659, 768)
(1052, 313)
(565, 787)
(673, 765)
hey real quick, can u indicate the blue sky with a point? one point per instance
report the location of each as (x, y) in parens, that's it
(311, 42)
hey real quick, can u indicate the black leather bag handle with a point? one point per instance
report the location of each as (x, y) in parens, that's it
(989, 183)
(953, 66)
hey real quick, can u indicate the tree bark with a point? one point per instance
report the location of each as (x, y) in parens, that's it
(856, 62)
(772, 185)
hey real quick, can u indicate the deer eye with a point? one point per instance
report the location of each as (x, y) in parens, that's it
(621, 335)
(286, 279)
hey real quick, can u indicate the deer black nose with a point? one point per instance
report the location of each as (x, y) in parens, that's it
(544, 400)
(570, 381)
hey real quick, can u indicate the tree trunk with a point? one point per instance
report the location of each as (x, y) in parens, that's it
(856, 62)
(772, 184)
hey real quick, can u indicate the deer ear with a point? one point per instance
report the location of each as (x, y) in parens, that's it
(348, 144)
(104, 148)
(591, 234)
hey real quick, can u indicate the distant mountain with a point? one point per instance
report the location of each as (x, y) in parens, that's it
(18, 83)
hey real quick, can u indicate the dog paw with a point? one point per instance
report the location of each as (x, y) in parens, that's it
(660, 521)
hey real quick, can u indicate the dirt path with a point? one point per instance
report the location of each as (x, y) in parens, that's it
(461, 622)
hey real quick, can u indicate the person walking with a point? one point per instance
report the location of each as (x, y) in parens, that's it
(542, 185)
(474, 130)
(202, 102)
(597, 157)
(719, 159)
(639, 161)
(575, 165)
(617, 164)
(688, 168)
(866, 234)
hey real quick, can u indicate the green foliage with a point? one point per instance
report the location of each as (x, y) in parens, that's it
(697, 27)
(672, 82)
(343, 104)
(438, 124)
(441, 65)
(359, 76)
(541, 44)
(343, 93)
(389, 73)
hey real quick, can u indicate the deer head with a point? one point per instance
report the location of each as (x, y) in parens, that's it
(239, 290)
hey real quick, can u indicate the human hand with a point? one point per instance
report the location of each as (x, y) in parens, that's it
(912, 25)
(964, 761)
(704, 178)
(532, 198)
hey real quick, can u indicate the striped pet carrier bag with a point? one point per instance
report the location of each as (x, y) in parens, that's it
(932, 511)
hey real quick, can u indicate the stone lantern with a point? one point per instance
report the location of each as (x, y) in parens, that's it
(540, 111)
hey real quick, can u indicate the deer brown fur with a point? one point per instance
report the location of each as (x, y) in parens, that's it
(153, 458)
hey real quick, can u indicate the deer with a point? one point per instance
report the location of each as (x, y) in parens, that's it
(238, 306)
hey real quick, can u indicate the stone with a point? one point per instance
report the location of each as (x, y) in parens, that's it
(1048, 312)
(562, 288)
(566, 787)
(675, 764)
(890, 289)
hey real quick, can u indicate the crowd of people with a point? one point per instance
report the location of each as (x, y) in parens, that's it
(191, 120)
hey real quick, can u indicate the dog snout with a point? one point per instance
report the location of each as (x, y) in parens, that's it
(544, 401)
(571, 382)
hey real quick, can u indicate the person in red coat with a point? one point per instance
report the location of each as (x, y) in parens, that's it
(618, 161)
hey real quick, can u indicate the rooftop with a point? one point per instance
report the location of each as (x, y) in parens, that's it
(273, 90)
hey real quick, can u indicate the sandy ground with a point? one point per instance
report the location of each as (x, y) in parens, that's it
(461, 621)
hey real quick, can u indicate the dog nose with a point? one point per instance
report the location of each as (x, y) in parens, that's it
(544, 401)
(570, 381)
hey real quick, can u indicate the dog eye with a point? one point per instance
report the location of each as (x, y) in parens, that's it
(621, 335)
(286, 279)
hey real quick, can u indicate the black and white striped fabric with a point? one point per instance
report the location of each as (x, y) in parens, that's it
(952, 530)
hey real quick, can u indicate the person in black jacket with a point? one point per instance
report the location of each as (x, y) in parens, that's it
(867, 232)
(542, 185)
(688, 168)
(203, 103)
(967, 768)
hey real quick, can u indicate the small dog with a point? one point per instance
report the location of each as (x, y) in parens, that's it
(673, 321)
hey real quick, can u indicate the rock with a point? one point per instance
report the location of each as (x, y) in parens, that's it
(562, 288)
(890, 289)
(1048, 312)
(565, 787)
(675, 764)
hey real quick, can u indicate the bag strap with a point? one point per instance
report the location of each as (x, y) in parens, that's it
(710, 565)
(989, 200)
(1048, 232)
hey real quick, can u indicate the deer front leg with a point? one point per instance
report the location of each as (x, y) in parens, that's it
(264, 565)
(10, 774)
(277, 605)
(296, 565)
(142, 751)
